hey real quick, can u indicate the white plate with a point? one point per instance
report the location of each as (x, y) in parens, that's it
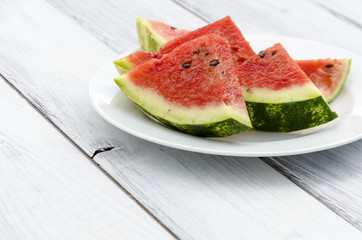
(115, 107)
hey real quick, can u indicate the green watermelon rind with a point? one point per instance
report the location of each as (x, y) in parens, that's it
(123, 65)
(290, 116)
(226, 126)
(149, 39)
(223, 128)
(342, 81)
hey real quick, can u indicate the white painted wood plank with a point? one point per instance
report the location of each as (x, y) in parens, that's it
(50, 190)
(203, 197)
(197, 196)
(113, 22)
(302, 19)
(348, 11)
(334, 176)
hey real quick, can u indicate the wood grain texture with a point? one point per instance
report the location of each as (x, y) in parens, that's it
(50, 59)
(50, 190)
(113, 22)
(302, 19)
(332, 176)
(212, 197)
(348, 11)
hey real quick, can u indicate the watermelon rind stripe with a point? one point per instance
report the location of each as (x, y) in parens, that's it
(207, 121)
(342, 81)
(149, 40)
(290, 116)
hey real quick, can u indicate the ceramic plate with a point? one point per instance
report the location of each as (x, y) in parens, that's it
(117, 109)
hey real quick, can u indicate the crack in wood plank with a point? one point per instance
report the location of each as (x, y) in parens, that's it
(100, 150)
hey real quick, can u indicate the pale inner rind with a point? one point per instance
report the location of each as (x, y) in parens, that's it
(123, 65)
(344, 77)
(290, 94)
(146, 34)
(156, 105)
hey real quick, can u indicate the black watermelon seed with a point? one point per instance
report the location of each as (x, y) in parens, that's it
(214, 63)
(186, 65)
(329, 65)
(222, 72)
(206, 54)
(274, 52)
(173, 28)
(197, 52)
(261, 53)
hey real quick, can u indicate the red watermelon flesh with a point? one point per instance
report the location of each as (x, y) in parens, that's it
(166, 31)
(225, 28)
(329, 80)
(139, 57)
(328, 75)
(194, 81)
(127, 63)
(273, 69)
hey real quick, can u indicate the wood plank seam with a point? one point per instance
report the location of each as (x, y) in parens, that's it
(79, 21)
(191, 11)
(100, 150)
(311, 191)
(339, 15)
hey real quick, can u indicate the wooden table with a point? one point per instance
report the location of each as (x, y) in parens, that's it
(67, 174)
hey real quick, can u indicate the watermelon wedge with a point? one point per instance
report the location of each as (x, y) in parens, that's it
(129, 62)
(329, 75)
(190, 90)
(152, 34)
(279, 95)
(225, 28)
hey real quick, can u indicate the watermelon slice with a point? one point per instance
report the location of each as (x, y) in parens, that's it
(190, 90)
(279, 95)
(225, 28)
(329, 75)
(129, 62)
(152, 34)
